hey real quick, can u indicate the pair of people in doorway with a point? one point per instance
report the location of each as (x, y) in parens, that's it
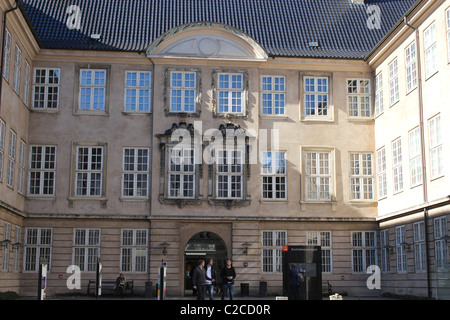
(204, 279)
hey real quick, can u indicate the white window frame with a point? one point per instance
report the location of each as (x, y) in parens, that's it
(315, 109)
(440, 241)
(231, 96)
(230, 165)
(86, 248)
(138, 91)
(381, 171)
(181, 168)
(90, 173)
(273, 95)
(274, 175)
(11, 158)
(136, 172)
(419, 246)
(400, 249)
(317, 177)
(134, 250)
(394, 92)
(6, 54)
(359, 98)
(397, 167)
(325, 240)
(385, 262)
(21, 170)
(447, 23)
(361, 176)
(430, 47)
(38, 243)
(379, 102)
(96, 101)
(271, 250)
(46, 88)
(436, 149)
(415, 159)
(16, 248)
(411, 67)
(2, 146)
(187, 89)
(6, 246)
(364, 250)
(17, 69)
(42, 170)
(26, 84)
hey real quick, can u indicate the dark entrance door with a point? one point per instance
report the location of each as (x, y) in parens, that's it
(203, 245)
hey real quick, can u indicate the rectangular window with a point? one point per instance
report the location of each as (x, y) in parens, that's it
(384, 251)
(11, 158)
(359, 98)
(419, 246)
(135, 172)
(397, 167)
(92, 89)
(440, 242)
(5, 245)
(393, 82)
(134, 250)
(436, 153)
(381, 170)
(86, 249)
(21, 173)
(42, 170)
(89, 171)
(361, 176)
(46, 83)
(447, 23)
(411, 67)
(17, 69)
(229, 174)
(415, 160)
(183, 88)
(273, 95)
(230, 93)
(323, 239)
(318, 175)
(272, 246)
(364, 252)
(379, 104)
(2, 146)
(181, 173)
(430, 50)
(273, 175)
(26, 83)
(400, 250)
(38, 247)
(137, 91)
(16, 248)
(6, 54)
(316, 99)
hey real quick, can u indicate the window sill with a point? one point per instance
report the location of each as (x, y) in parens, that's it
(317, 119)
(136, 113)
(40, 197)
(274, 201)
(274, 117)
(360, 119)
(44, 110)
(134, 199)
(91, 113)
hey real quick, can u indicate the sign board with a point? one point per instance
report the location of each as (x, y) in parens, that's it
(309, 260)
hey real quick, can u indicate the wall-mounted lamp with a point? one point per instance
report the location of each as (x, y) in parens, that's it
(164, 245)
(246, 245)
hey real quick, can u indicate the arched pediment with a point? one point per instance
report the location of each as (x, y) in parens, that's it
(206, 41)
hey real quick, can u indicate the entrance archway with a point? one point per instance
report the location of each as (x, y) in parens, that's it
(203, 245)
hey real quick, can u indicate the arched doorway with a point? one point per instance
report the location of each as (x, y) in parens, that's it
(203, 245)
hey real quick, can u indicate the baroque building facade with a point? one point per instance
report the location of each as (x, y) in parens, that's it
(180, 130)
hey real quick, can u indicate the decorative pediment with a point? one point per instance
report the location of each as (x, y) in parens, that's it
(206, 41)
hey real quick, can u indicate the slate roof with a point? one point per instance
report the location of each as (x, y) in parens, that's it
(281, 27)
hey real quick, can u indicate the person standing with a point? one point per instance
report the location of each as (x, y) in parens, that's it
(295, 282)
(210, 278)
(228, 276)
(198, 280)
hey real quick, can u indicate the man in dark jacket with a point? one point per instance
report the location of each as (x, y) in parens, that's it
(228, 276)
(198, 280)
